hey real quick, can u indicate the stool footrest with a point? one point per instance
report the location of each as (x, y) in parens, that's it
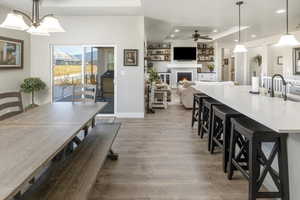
(268, 195)
(241, 169)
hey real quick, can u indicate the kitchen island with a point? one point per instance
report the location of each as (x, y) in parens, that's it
(275, 113)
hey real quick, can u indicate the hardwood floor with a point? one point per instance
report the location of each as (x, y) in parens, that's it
(161, 157)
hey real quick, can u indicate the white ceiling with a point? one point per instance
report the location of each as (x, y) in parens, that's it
(164, 16)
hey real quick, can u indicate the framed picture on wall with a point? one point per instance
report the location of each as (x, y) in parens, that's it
(297, 61)
(131, 57)
(280, 60)
(11, 53)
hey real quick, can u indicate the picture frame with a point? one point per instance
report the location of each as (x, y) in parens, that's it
(131, 57)
(11, 53)
(279, 60)
(296, 56)
(226, 61)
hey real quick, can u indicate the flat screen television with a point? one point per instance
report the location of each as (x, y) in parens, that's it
(184, 53)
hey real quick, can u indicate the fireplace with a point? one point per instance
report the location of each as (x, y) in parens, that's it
(184, 76)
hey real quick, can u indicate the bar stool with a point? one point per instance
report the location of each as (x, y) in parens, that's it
(197, 109)
(207, 108)
(248, 135)
(220, 134)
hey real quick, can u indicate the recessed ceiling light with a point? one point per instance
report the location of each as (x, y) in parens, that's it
(172, 35)
(280, 11)
(215, 30)
(253, 36)
(176, 30)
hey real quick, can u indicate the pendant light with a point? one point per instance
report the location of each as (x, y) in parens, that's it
(287, 39)
(38, 26)
(239, 48)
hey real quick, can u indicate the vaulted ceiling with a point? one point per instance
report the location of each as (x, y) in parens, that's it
(164, 16)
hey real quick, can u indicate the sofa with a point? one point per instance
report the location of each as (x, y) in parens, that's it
(186, 91)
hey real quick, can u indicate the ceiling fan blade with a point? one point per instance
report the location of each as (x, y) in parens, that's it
(205, 38)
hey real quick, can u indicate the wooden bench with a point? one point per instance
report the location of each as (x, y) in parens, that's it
(73, 178)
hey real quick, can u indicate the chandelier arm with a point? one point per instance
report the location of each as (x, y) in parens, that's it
(23, 14)
(49, 15)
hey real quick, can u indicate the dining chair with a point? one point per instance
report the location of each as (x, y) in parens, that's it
(84, 93)
(10, 104)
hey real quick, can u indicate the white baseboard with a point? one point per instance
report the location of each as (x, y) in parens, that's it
(131, 115)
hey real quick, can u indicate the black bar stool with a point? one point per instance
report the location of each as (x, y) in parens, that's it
(197, 109)
(248, 135)
(207, 108)
(220, 134)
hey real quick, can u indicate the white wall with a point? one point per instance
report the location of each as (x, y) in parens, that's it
(10, 80)
(122, 31)
(239, 62)
(274, 52)
(218, 60)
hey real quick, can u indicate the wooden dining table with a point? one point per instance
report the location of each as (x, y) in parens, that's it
(30, 140)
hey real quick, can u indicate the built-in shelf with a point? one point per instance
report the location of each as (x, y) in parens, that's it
(158, 48)
(159, 52)
(205, 53)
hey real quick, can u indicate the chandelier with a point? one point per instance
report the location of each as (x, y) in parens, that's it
(38, 26)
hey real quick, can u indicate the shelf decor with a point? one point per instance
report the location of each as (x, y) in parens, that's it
(11, 53)
(131, 57)
(258, 60)
(159, 52)
(205, 53)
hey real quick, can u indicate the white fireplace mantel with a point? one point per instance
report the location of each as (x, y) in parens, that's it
(184, 65)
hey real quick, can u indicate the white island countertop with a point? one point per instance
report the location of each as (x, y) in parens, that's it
(275, 113)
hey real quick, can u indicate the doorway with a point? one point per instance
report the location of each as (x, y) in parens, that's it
(76, 67)
(228, 68)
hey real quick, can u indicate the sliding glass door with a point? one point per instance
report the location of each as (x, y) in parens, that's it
(67, 72)
(74, 66)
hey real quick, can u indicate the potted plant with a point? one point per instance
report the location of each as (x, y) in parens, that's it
(32, 85)
(258, 59)
(211, 67)
(153, 75)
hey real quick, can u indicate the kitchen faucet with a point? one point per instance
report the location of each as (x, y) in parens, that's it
(283, 83)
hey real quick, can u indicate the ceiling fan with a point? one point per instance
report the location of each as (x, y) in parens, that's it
(196, 36)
